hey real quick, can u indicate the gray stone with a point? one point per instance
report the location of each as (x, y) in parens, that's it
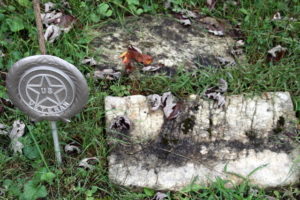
(169, 42)
(248, 136)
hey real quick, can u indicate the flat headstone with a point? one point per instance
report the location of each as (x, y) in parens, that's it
(166, 40)
(250, 135)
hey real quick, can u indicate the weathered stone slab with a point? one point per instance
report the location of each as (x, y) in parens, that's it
(163, 37)
(203, 142)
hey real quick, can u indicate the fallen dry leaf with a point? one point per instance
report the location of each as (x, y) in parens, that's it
(17, 132)
(65, 22)
(151, 68)
(135, 54)
(170, 106)
(216, 93)
(277, 16)
(214, 26)
(87, 163)
(49, 6)
(52, 33)
(121, 124)
(211, 3)
(185, 22)
(56, 22)
(72, 148)
(160, 196)
(107, 74)
(49, 18)
(154, 101)
(226, 61)
(89, 61)
(276, 53)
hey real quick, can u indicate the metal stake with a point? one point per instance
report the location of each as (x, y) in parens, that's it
(56, 143)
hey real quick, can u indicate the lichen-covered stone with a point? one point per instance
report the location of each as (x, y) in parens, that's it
(204, 142)
(163, 37)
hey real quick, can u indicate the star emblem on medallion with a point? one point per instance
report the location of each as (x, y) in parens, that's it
(46, 92)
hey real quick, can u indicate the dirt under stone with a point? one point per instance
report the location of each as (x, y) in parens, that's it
(170, 43)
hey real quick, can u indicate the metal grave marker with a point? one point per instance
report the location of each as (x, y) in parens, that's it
(47, 88)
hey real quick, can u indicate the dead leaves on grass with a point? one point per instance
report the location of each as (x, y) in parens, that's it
(14, 135)
(88, 163)
(56, 22)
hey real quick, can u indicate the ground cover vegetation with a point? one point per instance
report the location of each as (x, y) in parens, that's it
(34, 175)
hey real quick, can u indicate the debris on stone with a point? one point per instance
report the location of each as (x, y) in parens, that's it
(161, 43)
(185, 22)
(121, 124)
(170, 105)
(87, 163)
(134, 54)
(188, 14)
(240, 43)
(226, 61)
(65, 22)
(89, 61)
(160, 196)
(276, 53)
(184, 16)
(107, 74)
(214, 26)
(14, 135)
(216, 93)
(154, 101)
(72, 148)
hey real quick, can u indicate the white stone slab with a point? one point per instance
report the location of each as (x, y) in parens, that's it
(203, 141)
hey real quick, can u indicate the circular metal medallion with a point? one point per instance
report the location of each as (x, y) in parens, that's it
(47, 88)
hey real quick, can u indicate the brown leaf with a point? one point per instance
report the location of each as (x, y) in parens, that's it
(135, 54)
(65, 21)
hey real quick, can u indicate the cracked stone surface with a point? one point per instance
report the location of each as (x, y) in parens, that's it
(204, 142)
(164, 38)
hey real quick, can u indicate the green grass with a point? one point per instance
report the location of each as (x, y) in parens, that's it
(22, 175)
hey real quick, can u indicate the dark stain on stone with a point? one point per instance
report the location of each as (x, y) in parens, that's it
(188, 124)
(251, 134)
(279, 125)
(202, 61)
(173, 146)
(167, 34)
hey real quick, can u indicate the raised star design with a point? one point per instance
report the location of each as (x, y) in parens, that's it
(46, 91)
